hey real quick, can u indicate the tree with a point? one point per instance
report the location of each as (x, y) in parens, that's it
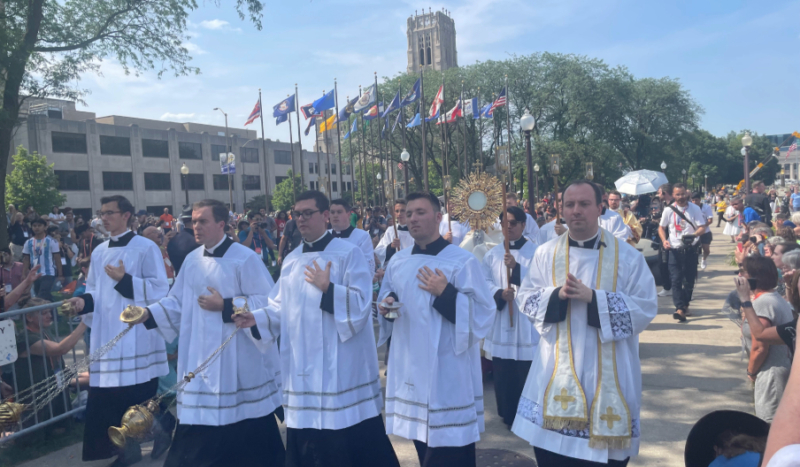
(33, 183)
(258, 202)
(282, 199)
(46, 45)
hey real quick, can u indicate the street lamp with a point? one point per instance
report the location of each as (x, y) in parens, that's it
(526, 124)
(380, 192)
(683, 171)
(536, 169)
(405, 156)
(185, 177)
(228, 151)
(705, 184)
(747, 140)
(663, 165)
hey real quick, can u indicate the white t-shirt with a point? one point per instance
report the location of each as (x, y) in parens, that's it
(679, 227)
(787, 456)
(57, 217)
(707, 211)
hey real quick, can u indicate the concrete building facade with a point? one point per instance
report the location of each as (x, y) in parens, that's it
(431, 41)
(141, 159)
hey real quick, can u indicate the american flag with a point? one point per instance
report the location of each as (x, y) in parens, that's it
(500, 101)
(254, 114)
(791, 148)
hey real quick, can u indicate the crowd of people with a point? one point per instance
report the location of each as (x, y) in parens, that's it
(553, 317)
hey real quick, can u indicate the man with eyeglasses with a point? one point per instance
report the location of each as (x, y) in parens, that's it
(511, 344)
(434, 390)
(126, 270)
(391, 244)
(320, 308)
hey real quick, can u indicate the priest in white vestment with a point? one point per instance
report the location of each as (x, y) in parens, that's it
(453, 230)
(126, 270)
(341, 228)
(226, 411)
(391, 243)
(511, 344)
(320, 308)
(589, 295)
(434, 390)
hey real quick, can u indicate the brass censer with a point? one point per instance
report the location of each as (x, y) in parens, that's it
(132, 314)
(136, 423)
(10, 413)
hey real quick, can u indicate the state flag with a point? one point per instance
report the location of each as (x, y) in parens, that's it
(283, 107)
(366, 99)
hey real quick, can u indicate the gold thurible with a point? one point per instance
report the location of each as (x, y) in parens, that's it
(136, 423)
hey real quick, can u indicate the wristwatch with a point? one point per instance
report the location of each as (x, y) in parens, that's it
(747, 304)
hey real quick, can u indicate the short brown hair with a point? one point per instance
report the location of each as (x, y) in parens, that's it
(763, 270)
(218, 209)
(614, 192)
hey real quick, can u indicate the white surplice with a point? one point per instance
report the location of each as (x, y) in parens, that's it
(361, 239)
(517, 342)
(623, 315)
(406, 241)
(460, 229)
(608, 220)
(141, 355)
(329, 361)
(531, 231)
(243, 382)
(434, 388)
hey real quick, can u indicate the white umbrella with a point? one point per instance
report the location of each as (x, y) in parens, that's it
(640, 182)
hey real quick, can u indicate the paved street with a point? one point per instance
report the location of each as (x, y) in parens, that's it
(688, 369)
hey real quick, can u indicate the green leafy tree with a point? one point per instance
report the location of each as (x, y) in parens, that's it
(46, 45)
(32, 182)
(258, 202)
(282, 199)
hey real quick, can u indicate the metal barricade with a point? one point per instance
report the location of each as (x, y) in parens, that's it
(19, 429)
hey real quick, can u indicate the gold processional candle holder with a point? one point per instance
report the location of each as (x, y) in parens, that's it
(555, 164)
(589, 171)
(136, 423)
(10, 413)
(446, 181)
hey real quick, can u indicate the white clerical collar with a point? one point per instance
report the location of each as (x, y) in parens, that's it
(582, 242)
(117, 237)
(211, 250)
(315, 241)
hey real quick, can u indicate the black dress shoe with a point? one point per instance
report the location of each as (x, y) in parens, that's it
(161, 444)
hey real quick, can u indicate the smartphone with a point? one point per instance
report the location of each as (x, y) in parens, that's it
(753, 239)
(739, 247)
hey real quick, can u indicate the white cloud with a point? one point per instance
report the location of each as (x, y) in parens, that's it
(178, 116)
(218, 25)
(193, 48)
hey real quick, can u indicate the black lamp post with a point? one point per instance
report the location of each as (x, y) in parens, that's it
(527, 123)
(185, 177)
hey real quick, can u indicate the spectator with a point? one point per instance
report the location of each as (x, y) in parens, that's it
(795, 199)
(783, 443)
(12, 212)
(280, 221)
(157, 237)
(722, 206)
(31, 214)
(56, 216)
(768, 366)
(183, 243)
(166, 220)
(97, 225)
(43, 251)
(290, 240)
(759, 202)
(11, 270)
(256, 236)
(18, 233)
(36, 344)
(87, 240)
(69, 254)
(353, 218)
(142, 219)
(67, 227)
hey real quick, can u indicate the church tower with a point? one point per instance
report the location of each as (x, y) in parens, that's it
(431, 42)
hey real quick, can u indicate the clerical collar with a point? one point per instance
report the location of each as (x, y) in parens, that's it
(603, 212)
(218, 250)
(402, 228)
(121, 240)
(589, 244)
(318, 244)
(344, 233)
(517, 244)
(432, 248)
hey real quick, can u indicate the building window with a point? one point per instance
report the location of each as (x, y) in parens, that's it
(313, 186)
(55, 113)
(349, 186)
(283, 157)
(250, 155)
(421, 57)
(216, 150)
(115, 145)
(428, 53)
(69, 142)
(333, 185)
(347, 169)
(221, 182)
(313, 168)
(278, 180)
(157, 182)
(117, 181)
(195, 182)
(187, 150)
(155, 148)
(72, 180)
(333, 169)
(252, 182)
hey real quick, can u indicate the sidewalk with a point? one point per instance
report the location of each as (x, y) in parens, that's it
(688, 370)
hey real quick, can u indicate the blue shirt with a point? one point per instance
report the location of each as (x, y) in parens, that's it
(257, 244)
(748, 459)
(796, 200)
(750, 215)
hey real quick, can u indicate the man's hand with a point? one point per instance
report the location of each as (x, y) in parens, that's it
(386, 301)
(244, 320)
(116, 272)
(509, 260)
(77, 304)
(742, 288)
(33, 275)
(448, 236)
(508, 295)
(665, 244)
(321, 278)
(435, 283)
(560, 229)
(378, 275)
(396, 243)
(211, 302)
(574, 289)
(145, 317)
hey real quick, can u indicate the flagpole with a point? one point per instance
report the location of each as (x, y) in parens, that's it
(464, 131)
(405, 163)
(316, 144)
(363, 153)
(338, 139)
(352, 172)
(445, 162)
(508, 132)
(480, 131)
(422, 115)
(372, 158)
(264, 151)
(328, 174)
(299, 139)
(380, 143)
(291, 146)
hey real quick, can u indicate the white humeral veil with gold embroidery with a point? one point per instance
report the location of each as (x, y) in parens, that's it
(565, 404)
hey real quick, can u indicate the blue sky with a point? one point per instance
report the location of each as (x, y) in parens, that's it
(737, 58)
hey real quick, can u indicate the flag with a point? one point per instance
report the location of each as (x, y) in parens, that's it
(416, 121)
(324, 103)
(283, 107)
(452, 115)
(308, 111)
(432, 118)
(367, 98)
(501, 99)
(791, 148)
(373, 112)
(352, 129)
(397, 120)
(254, 114)
(487, 111)
(311, 123)
(328, 124)
(437, 101)
(281, 119)
(412, 96)
(385, 127)
(471, 108)
(344, 114)
(394, 105)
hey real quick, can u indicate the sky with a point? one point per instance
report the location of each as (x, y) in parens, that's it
(737, 58)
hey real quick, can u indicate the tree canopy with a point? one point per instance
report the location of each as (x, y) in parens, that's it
(32, 183)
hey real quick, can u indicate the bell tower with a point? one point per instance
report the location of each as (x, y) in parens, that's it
(431, 41)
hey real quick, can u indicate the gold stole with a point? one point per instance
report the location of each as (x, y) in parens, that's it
(564, 400)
